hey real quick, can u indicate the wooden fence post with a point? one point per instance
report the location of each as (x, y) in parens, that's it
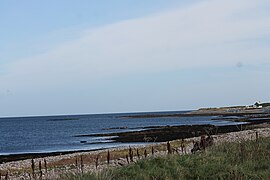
(81, 164)
(138, 154)
(130, 154)
(145, 153)
(169, 148)
(40, 170)
(96, 162)
(127, 159)
(33, 168)
(182, 145)
(108, 157)
(76, 163)
(203, 142)
(45, 165)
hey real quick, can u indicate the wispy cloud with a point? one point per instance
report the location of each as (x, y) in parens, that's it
(211, 33)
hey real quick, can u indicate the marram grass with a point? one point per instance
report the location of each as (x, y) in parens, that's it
(243, 160)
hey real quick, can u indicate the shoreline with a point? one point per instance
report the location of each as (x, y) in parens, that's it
(62, 164)
(248, 118)
(23, 156)
(159, 134)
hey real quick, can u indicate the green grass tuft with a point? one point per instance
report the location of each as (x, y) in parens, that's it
(244, 160)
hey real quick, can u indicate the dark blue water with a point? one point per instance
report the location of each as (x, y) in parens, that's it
(56, 133)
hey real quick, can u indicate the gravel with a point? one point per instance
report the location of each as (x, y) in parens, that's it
(19, 170)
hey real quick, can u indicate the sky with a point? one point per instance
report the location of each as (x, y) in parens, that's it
(84, 57)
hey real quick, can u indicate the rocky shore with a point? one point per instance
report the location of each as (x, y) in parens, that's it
(97, 160)
(243, 120)
(253, 123)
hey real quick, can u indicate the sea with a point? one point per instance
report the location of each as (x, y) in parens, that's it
(44, 134)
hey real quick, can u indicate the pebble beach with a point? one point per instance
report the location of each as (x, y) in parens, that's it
(95, 161)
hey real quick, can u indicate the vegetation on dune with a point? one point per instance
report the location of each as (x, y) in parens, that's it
(242, 160)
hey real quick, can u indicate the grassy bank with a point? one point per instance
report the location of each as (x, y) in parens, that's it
(243, 160)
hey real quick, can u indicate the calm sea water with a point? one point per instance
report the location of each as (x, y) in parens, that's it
(56, 133)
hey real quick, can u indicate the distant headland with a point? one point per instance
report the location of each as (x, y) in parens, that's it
(256, 108)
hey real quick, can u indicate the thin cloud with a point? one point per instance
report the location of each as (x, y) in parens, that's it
(211, 33)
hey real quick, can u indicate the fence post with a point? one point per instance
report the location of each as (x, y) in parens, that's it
(33, 168)
(182, 145)
(127, 159)
(169, 148)
(145, 153)
(138, 154)
(108, 157)
(130, 154)
(76, 163)
(40, 170)
(203, 143)
(45, 164)
(81, 164)
(96, 162)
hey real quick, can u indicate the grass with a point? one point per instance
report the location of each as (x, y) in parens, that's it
(243, 160)
(115, 154)
(69, 162)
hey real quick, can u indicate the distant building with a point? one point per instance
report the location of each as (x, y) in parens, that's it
(257, 103)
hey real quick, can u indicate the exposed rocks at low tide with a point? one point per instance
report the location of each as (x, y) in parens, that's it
(255, 123)
(168, 133)
(21, 169)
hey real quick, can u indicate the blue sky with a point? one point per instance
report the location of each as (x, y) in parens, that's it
(46, 23)
(67, 57)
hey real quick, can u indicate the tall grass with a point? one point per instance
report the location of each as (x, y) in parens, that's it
(243, 160)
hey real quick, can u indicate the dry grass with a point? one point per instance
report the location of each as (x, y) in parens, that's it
(244, 160)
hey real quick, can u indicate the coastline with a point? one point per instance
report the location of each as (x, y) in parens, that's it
(159, 135)
(18, 166)
(60, 164)
(246, 119)
(23, 156)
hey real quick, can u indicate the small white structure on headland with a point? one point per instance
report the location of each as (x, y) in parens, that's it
(256, 105)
